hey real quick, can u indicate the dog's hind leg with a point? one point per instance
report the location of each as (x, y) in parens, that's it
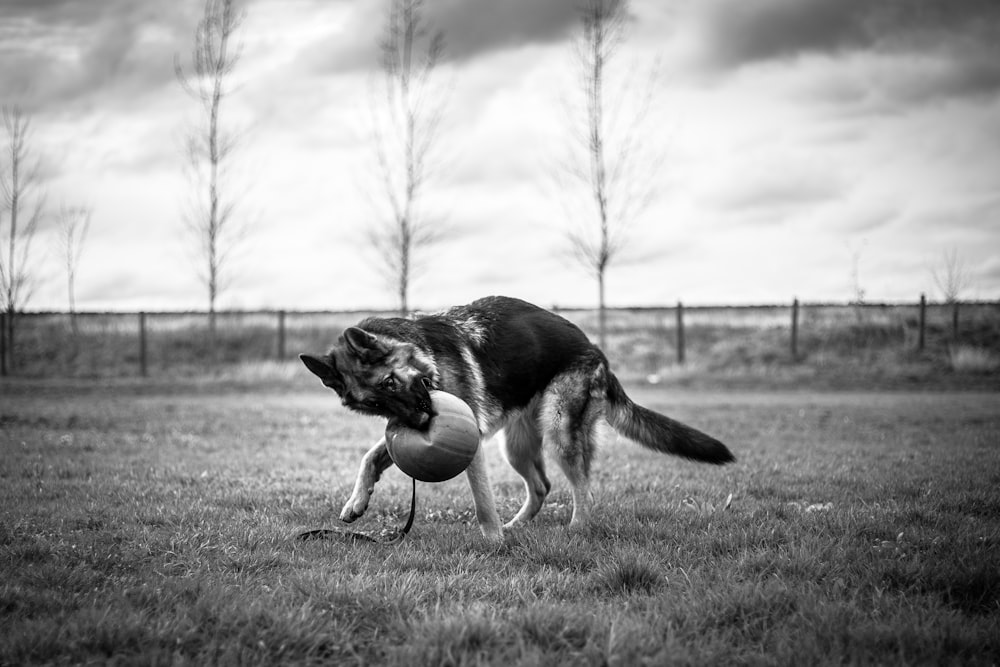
(576, 469)
(374, 463)
(523, 450)
(568, 417)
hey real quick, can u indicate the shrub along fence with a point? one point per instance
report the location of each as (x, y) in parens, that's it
(641, 341)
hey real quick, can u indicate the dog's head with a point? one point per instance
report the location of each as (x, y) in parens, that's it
(378, 375)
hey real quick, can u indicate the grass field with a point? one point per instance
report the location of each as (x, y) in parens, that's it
(145, 525)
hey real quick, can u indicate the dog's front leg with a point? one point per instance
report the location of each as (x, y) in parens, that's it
(482, 496)
(373, 464)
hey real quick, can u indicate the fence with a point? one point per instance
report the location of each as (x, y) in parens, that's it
(641, 341)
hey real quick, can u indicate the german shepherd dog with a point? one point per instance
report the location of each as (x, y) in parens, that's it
(520, 368)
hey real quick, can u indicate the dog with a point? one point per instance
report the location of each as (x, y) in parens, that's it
(522, 369)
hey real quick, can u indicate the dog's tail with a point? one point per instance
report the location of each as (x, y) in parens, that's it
(658, 432)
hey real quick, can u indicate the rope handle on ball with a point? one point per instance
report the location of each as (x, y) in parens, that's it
(387, 537)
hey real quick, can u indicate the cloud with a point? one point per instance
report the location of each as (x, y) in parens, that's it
(772, 190)
(963, 35)
(736, 33)
(470, 27)
(986, 272)
(473, 27)
(60, 52)
(941, 217)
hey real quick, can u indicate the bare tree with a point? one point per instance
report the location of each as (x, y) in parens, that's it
(858, 291)
(406, 121)
(213, 222)
(615, 165)
(74, 224)
(23, 204)
(952, 278)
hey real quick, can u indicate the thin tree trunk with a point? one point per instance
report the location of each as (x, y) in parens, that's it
(404, 280)
(213, 193)
(11, 357)
(601, 312)
(72, 304)
(407, 237)
(3, 343)
(12, 270)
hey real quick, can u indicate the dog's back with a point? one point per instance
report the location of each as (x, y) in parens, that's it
(520, 349)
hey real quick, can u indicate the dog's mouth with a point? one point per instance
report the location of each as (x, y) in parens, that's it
(419, 419)
(414, 410)
(419, 416)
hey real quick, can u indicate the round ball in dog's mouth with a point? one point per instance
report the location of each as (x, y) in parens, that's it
(443, 449)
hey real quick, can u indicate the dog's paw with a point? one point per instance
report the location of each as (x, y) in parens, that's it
(513, 524)
(354, 509)
(492, 534)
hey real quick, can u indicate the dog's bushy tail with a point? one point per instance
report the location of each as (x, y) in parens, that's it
(658, 432)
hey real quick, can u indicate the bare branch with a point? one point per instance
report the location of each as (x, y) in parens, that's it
(612, 177)
(22, 209)
(74, 225)
(209, 149)
(406, 127)
(952, 277)
(24, 204)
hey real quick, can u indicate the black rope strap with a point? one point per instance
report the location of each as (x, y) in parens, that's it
(387, 536)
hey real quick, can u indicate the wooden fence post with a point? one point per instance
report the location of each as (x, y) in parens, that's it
(680, 333)
(281, 335)
(921, 334)
(795, 329)
(143, 364)
(954, 320)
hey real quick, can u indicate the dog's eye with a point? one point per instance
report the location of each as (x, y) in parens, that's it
(389, 384)
(426, 382)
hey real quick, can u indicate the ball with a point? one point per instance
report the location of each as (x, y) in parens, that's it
(441, 451)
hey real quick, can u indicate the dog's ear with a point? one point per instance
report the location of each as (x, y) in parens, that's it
(364, 345)
(325, 368)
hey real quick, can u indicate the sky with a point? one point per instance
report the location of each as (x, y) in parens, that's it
(800, 148)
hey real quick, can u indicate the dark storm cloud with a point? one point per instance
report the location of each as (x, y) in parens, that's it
(738, 31)
(62, 51)
(962, 36)
(470, 28)
(952, 46)
(49, 11)
(475, 26)
(745, 32)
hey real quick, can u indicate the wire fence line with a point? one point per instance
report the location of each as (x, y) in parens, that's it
(641, 340)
